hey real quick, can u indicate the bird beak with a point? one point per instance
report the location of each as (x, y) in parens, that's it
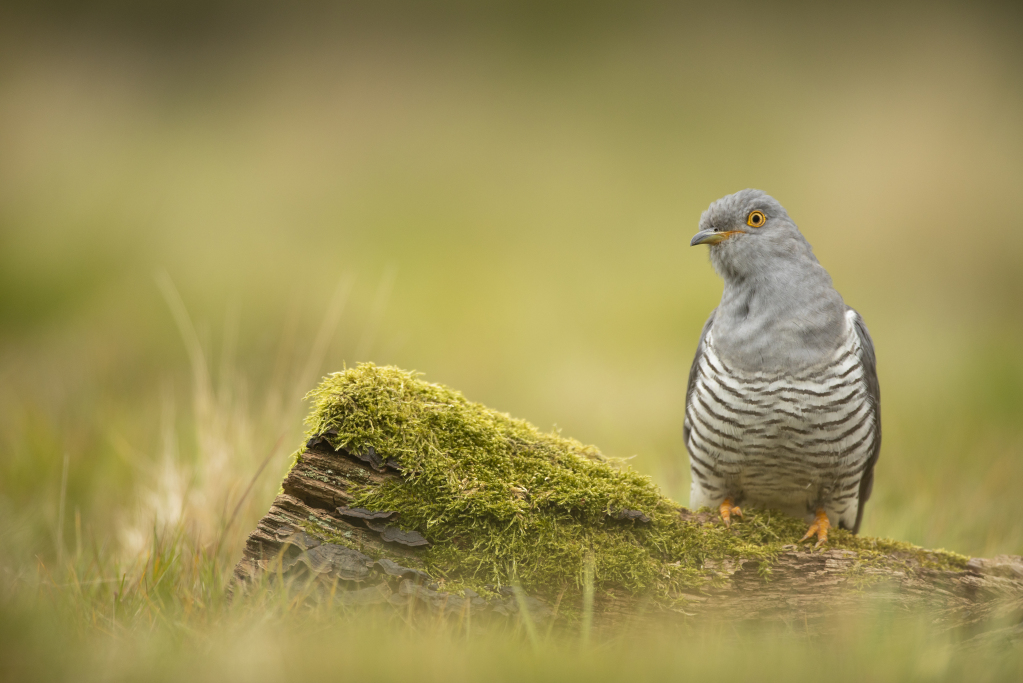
(711, 237)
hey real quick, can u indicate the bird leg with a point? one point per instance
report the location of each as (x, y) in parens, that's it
(820, 527)
(728, 509)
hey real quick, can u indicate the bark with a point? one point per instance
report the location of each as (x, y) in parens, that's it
(311, 531)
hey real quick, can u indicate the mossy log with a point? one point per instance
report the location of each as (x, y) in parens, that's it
(363, 515)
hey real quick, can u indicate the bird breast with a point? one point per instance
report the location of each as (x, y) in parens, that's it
(782, 436)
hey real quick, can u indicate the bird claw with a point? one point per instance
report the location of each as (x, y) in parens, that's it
(819, 527)
(727, 509)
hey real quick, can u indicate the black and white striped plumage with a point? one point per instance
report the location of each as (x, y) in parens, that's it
(783, 404)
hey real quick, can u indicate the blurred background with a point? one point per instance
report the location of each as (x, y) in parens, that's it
(204, 207)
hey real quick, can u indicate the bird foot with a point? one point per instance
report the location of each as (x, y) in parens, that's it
(727, 509)
(819, 527)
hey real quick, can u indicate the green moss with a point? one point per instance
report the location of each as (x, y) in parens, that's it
(886, 552)
(502, 502)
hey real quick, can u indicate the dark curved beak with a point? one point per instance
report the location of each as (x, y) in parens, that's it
(711, 237)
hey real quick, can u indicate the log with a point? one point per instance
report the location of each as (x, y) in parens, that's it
(311, 532)
(810, 583)
(317, 533)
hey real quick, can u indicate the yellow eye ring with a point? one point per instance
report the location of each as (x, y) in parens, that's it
(756, 219)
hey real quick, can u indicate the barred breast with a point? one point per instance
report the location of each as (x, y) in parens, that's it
(790, 441)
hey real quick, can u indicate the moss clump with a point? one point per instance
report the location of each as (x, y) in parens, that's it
(502, 502)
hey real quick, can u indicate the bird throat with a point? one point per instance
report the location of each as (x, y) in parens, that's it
(774, 325)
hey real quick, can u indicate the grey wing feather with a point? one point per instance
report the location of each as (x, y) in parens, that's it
(869, 361)
(695, 368)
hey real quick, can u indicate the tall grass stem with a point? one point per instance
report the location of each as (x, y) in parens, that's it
(60, 512)
(527, 618)
(587, 621)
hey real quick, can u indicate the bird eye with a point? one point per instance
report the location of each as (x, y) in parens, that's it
(756, 219)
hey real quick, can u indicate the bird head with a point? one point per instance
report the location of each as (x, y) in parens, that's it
(749, 231)
(778, 308)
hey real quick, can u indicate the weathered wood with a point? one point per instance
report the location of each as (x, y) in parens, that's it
(360, 557)
(365, 560)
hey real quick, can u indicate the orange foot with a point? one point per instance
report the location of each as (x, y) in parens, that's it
(727, 509)
(820, 527)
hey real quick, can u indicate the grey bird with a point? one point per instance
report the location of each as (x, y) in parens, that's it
(783, 408)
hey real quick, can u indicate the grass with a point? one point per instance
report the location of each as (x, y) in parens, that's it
(168, 618)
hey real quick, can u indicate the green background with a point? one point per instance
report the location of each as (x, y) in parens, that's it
(204, 207)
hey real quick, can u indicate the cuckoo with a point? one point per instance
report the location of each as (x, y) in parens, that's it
(783, 408)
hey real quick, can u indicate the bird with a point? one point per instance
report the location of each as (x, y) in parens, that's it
(783, 406)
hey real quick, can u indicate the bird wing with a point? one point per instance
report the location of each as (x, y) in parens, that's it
(695, 368)
(869, 362)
